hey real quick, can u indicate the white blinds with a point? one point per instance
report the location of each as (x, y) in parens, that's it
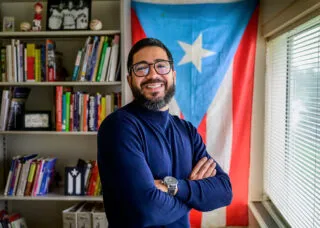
(292, 148)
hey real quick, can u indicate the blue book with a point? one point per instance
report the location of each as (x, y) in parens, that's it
(48, 170)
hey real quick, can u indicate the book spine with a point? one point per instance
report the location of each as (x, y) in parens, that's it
(67, 106)
(77, 66)
(59, 91)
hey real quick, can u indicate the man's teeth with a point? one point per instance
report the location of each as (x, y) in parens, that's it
(152, 86)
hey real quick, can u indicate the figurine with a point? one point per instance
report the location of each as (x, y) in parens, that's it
(25, 26)
(95, 25)
(36, 23)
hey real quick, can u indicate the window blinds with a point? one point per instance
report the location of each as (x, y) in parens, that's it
(292, 148)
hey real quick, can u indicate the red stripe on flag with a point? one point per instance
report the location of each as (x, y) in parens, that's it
(136, 28)
(243, 78)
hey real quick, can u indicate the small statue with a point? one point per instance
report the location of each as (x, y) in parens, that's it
(36, 23)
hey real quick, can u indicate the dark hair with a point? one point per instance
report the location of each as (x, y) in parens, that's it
(146, 42)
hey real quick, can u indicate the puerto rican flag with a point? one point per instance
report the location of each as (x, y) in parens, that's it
(213, 45)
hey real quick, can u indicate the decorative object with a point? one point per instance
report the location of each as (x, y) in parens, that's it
(74, 181)
(95, 25)
(8, 24)
(25, 26)
(36, 23)
(37, 120)
(68, 15)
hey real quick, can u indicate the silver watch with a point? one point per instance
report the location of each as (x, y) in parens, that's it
(171, 183)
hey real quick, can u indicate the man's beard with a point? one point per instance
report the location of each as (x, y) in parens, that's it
(153, 104)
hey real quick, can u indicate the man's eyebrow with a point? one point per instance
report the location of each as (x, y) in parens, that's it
(155, 61)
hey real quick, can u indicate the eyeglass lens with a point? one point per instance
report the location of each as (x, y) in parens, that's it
(143, 69)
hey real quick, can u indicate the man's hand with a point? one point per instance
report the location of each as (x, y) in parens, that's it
(159, 185)
(203, 169)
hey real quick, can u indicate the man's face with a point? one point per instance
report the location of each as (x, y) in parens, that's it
(70, 5)
(154, 91)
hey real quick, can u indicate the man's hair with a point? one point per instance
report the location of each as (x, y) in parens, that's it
(146, 42)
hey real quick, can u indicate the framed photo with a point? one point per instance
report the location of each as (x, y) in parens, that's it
(8, 24)
(37, 121)
(68, 14)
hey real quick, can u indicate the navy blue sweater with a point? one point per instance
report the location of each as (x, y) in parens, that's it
(137, 146)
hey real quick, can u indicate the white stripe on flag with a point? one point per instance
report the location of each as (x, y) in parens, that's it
(219, 139)
(174, 108)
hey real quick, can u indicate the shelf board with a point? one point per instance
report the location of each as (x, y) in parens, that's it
(53, 197)
(59, 33)
(69, 83)
(47, 133)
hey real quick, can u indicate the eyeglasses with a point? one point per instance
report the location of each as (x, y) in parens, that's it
(142, 69)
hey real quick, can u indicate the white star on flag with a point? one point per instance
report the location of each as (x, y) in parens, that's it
(194, 53)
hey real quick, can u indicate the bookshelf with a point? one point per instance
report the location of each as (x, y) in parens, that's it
(45, 211)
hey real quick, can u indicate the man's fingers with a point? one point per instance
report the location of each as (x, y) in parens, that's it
(214, 172)
(210, 171)
(204, 169)
(196, 169)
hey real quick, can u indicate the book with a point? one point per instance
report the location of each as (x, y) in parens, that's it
(17, 108)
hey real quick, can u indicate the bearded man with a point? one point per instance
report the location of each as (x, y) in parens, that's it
(154, 167)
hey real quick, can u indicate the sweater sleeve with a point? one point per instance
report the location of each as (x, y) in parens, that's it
(127, 180)
(209, 193)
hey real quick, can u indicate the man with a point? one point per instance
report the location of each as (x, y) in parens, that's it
(69, 17)
(82, 19)
(55, 19)
(153, 166)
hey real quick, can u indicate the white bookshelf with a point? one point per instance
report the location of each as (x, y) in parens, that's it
(45, 211)
(55, 34)
(52, 197)
(64, 133)
(63, 83)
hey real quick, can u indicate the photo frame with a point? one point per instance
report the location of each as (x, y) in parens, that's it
(37, 121)
(8, 24)
(68, 15)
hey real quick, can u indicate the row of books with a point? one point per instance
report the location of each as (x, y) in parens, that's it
(98, 60)
(22, 62)
(80, 111)
(89, 214)
(12, 220)
(30, 175)
(12, 108)
(84, 179)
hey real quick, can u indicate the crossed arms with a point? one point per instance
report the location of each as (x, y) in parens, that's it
(207, 188)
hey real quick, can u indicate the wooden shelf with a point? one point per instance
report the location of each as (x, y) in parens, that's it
(58, 33)
(48, 133)
(69, 83)
(53, 197)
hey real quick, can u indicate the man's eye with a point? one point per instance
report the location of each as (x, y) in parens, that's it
(141, 68)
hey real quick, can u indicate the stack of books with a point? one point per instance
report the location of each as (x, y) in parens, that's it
(13, 220)
(98, 60)
(30, 175)
(81, 111)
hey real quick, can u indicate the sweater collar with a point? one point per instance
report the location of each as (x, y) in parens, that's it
(155, 117)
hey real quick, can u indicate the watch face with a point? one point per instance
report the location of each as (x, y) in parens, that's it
(170, 180)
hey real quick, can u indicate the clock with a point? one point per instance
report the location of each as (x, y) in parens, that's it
(37, 120)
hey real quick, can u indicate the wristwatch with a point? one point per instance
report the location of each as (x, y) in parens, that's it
(171, 183)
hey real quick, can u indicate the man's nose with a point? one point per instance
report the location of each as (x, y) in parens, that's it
(152, 72)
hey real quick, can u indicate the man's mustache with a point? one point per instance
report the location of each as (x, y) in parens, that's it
(153, 81)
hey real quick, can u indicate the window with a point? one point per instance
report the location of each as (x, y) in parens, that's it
(292, 137)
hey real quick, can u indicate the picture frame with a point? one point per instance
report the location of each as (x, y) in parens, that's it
(37, 121)
(8, 24)
(68, 15)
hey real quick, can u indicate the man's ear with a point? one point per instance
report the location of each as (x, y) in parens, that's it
(174, 75)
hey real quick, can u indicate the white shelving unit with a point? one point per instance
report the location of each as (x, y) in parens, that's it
(45, 211)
